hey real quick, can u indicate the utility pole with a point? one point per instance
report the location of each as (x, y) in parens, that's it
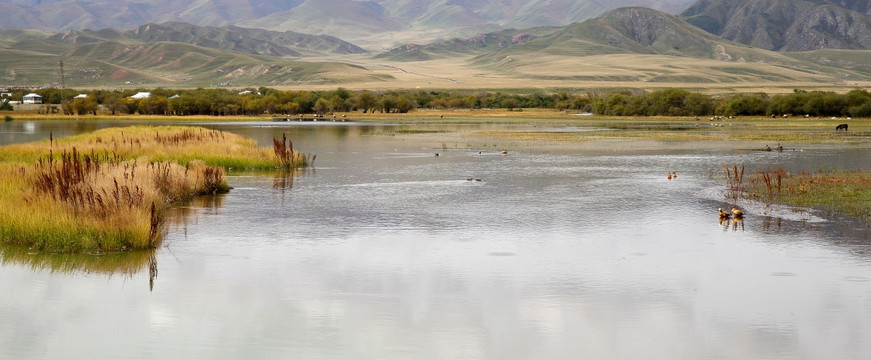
(63, 84)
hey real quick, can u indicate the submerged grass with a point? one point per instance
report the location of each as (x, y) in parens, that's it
(107, 191)
(846, 192)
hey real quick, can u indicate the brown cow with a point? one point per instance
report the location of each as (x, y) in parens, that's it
(841, 127)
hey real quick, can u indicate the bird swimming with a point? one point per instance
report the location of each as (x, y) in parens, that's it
(723, 214)
(737, 213)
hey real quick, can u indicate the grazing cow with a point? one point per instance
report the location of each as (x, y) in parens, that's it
(841, 127)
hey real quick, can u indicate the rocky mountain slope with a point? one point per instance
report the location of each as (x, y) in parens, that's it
(786, 25)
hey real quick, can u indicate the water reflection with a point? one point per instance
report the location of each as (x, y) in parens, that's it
(389, 252)
(734, 223)
(283, 179)
(126, 264)
(180, 217)
(769, 221)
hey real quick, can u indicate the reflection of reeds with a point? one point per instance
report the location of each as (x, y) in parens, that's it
(283, 179)
(127, 263)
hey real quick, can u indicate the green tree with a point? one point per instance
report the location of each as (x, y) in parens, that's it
(405, 103)
(322, 106)
(154, 105)
(113, 102)
(83, 106)
(747, 105)
(510, 103)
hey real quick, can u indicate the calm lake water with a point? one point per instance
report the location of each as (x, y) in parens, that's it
(386, 251)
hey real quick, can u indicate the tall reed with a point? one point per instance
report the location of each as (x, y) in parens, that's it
(772, 185)
(734, 180)
(287, 158)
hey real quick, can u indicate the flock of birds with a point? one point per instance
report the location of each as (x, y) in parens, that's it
(735, 212)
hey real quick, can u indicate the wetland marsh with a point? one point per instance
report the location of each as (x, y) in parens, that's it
(573, 244)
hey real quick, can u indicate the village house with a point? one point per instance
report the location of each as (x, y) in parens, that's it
(32, 98)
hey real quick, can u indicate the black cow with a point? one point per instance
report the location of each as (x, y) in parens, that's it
(841, 127)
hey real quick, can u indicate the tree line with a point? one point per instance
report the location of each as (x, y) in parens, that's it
(668, 102)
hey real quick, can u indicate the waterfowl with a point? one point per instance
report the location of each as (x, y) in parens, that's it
(737, 213)
(669, 176)
(723, 214)
(674, 175)
(504, 152)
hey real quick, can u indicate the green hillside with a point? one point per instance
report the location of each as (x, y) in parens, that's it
(116, 63)
(478, 44)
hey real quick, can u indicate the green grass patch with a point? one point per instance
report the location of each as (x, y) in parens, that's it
(846, 192)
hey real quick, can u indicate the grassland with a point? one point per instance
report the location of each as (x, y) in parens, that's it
(107, 191)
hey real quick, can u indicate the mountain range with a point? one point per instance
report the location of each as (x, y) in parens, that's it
(706, 43)
(362, 22)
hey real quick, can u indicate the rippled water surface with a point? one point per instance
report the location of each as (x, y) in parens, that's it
(386, 251)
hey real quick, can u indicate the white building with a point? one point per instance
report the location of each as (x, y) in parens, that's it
(141, 95)
(81, 96)
(32, 98)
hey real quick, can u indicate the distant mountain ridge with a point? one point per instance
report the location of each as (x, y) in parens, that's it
(629, 33)
(232, 38)
(786, 25)
(348, 19)
(624, 30)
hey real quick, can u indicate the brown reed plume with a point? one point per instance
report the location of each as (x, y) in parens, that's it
(188, 136)
(287, 158)
(734, 179)
(770, 185)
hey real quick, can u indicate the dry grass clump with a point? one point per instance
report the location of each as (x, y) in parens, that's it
(112, 196)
